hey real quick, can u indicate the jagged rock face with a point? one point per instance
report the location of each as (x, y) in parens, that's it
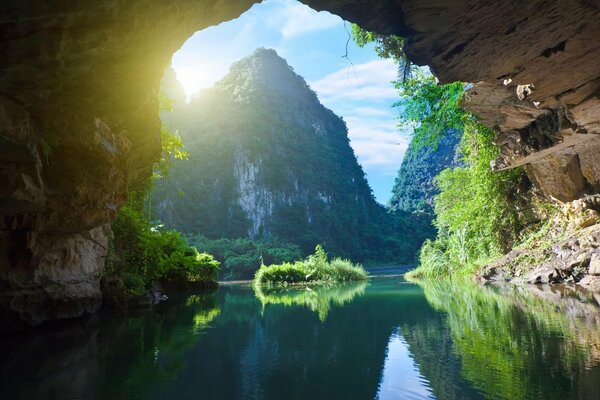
(79, 110)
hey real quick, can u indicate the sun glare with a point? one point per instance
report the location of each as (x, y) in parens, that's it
(195, 79)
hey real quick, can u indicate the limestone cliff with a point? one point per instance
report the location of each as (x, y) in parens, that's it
(414, 186)
(267, 160)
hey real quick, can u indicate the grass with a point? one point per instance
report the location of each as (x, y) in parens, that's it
(315, 269)
(437, 264)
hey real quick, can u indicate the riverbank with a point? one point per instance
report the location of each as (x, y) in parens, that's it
(564, 250)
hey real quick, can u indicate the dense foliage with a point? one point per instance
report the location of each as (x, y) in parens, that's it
(414, 187)
(240, 258)
(430, 109)
(142, 254)
(315, 269)
(476, 211)
(269, 162)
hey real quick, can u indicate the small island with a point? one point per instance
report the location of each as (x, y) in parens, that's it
(313, 270)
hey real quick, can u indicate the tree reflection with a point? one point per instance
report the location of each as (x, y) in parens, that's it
(522, 342)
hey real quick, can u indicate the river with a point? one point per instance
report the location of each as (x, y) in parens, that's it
(386, 339)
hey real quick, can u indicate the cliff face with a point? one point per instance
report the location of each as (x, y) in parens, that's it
(79, 109)
(414, 187)
(266, 160)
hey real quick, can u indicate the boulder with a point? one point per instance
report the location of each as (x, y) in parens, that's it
(594, 268)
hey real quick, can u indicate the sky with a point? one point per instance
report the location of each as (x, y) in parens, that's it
(357, 88)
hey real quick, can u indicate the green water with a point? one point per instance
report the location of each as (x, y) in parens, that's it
(387, 339)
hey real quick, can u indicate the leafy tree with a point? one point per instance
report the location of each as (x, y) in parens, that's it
(240, 258)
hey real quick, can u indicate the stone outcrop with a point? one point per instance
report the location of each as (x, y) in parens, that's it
(79, 108)
(567, 251)
(535, 71)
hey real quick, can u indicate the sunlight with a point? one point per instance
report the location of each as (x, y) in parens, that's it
(194, 80)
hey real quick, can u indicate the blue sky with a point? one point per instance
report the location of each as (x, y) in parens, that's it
(313, 43)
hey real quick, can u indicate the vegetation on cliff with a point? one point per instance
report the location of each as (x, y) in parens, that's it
(142, 254)
(477, 210)
(414, 187)
(315, 269)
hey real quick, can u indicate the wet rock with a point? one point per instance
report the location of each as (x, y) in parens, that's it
(544, 275)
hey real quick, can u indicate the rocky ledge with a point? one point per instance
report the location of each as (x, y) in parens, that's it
(566, 251)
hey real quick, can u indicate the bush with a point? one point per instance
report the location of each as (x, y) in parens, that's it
(476, 210)
(241, 258)
(315, 269)
(142, 254)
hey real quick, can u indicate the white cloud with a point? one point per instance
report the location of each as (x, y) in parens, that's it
(363, 95)
(293, 18)
(368, 81)
(371, 112)
(377, 143)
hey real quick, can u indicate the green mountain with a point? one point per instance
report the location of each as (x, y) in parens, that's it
(268, 161)
(414, 187)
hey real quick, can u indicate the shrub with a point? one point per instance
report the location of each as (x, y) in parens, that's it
(241, 258)
(315, 269)
(142, 254)
(476, 210)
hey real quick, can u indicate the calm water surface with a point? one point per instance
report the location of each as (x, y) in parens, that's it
(387, 339)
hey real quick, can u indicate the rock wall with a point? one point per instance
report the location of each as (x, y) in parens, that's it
(79, 109)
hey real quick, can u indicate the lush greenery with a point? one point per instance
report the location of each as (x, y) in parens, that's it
(143, 254)
(315, 269)
(414, 187)
(433, 114)
(269, 162)
(476, 211)
(241, 258)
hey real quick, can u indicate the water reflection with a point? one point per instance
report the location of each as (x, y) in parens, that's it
(104, 358)
(401, 377)
(387, 340)
(318, 299)
(523, 342)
